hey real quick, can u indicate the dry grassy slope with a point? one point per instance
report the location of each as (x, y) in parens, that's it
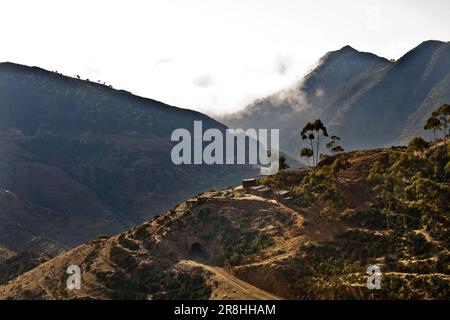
(251, 248)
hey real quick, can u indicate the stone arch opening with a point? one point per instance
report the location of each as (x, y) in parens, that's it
(197, 250)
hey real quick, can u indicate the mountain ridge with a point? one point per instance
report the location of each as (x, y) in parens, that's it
(14, 66)
(86, 157)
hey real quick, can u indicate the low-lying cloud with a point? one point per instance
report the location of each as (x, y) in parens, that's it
(282, 64)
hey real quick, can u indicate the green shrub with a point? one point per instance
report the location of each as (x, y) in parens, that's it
(418, 144)
(340, 164)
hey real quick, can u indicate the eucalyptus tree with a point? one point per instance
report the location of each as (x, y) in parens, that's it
(312, 132)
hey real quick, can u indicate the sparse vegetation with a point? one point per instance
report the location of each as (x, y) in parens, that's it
(417, 187)
(319, 184)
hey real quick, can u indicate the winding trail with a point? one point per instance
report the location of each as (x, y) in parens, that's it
(249, 291)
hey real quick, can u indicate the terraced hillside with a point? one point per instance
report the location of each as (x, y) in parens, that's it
(385, 207)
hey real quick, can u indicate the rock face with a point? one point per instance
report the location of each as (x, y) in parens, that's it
(80, 159)
(368, 101)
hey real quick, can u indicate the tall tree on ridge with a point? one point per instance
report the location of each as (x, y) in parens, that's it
(335, 148)
(440, 118)
(311, 132)
(433, 123)
(306, 153)
(308, 133)
(443, 112)
(319, 126)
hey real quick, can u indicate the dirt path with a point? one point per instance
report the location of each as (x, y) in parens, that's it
(245, 290)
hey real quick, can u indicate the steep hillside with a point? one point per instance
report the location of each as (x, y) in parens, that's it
(80, 159)
(21, 263)
(368, 101)
(27, 227)
(385, 207)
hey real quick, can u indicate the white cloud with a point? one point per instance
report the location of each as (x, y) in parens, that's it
(283, 63)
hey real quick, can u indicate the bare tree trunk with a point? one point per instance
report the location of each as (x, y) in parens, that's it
(312, 149)
(318, 144)
(445, 134)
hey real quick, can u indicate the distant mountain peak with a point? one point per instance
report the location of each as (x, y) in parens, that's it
(425, 48)
(427, 45)
(348, 48)
(342, 51)
(350, 52)
(431, 43)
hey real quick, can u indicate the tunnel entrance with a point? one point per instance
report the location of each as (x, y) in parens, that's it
(197, 250)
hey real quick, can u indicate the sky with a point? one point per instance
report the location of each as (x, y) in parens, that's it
(214, 56)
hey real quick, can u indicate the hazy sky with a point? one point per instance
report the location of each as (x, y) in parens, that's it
(212, 56)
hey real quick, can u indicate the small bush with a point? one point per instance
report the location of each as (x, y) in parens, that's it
(418, 144)
(340, 164)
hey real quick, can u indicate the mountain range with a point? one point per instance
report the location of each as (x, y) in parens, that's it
(365, 99)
